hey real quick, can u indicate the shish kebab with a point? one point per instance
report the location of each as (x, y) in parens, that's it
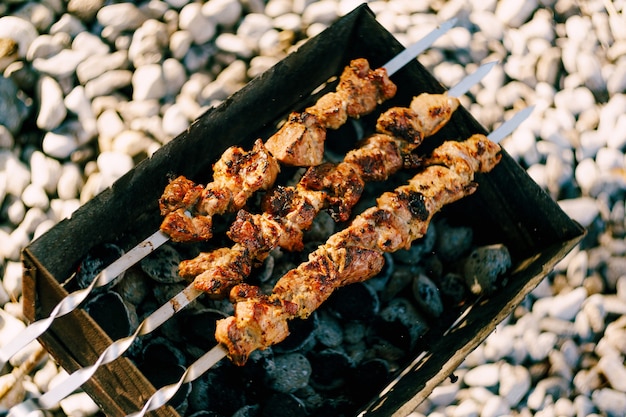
(290, 210)
(161, 315)
(73, 300)
(408, 209)
(189, 208)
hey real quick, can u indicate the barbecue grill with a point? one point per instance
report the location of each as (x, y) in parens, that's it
(508, 208)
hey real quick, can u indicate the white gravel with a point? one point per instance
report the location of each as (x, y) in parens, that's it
(91, 87)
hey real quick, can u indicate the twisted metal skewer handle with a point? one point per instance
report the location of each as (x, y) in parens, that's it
(75, 299)
(193, 371)
(111, 353)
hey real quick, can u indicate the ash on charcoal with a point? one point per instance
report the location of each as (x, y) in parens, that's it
(289, 372)
(283, 405)
(96, 260)
(329, 369)
(426, 294)
(162, 265)
(354, 302)
(484, 266)
(301, 335)
(116, 317)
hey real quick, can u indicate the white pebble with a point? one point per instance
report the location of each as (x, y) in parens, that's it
(19, 175)
(130, 142)
(495, 407)
(78, 103)
(79, 405)
(45, 171)
(324, 11)
(583, 209)
(35, 196)
(121, 16)
(109, 125)
(201, 28)
(514, 383)
(231, 43)
(59, 145)
(12, 279)
(20, 30)
(515, 13)
(586, 174)
(180, 42)
(609, 401)
(223, 12)
(70, 181)
(51, 109)
(175, 76)
(148, 83)
(174, 121)
(565, 306)
(32, 219)
(15, 210)
(113, 165)
(486, 375)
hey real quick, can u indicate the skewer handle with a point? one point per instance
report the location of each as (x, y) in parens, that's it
(75, 299)
(193, 371)
(418, 47)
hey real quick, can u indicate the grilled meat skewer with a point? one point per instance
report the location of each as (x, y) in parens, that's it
(355, 253)
(289, 211)
(189, 208)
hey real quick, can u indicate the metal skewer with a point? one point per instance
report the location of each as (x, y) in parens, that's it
(177, 303)
(75, 299)
(218, 352)
(157, 239)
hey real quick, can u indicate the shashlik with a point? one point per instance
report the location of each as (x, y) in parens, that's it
(355, 253)
(289, 211)
(189, 208)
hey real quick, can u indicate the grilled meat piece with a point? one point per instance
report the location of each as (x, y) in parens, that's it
(300, 140)
(188, 208)
(426, 114)
(356, 253)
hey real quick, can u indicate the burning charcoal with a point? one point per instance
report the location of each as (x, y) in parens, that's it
(427, 295)
(329, 331)
(289, 372)
(162, 265)
(401, 323)
(115, 316)
(356, 301)
(421, 246)
(283, 405)
(199, 326)
(301, 336)
(96, 260)
(160, 350)
(330, 368)
(322, 227)
(400, 279)
(214, 414)
(452, 287)
(368, 379)
(484, 266)
(354, 332)
(452, 242)
(245, 411)
(133, 287)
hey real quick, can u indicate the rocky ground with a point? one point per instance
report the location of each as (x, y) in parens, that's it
(92, 87)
